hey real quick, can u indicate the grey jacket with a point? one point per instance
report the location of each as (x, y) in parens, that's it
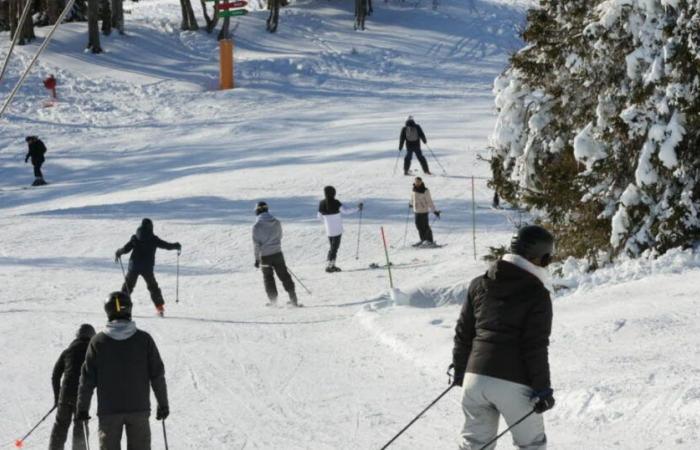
(267, 236)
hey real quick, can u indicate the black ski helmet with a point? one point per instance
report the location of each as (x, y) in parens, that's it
(118, 306)
(86, 331)
(329, 192)
(260, 208)
(147, 224)
(533, 242)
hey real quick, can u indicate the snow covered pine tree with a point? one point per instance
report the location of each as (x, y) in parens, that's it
(598, 124)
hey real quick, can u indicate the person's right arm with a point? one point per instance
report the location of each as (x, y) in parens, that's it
(156, 373)
(464, 335)
(88, 380)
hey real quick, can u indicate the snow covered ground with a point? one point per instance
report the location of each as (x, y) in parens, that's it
(141, 131)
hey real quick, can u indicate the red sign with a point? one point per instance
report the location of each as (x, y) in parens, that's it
(227, 6)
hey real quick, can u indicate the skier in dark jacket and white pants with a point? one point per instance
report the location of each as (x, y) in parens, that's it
(267, 245)
(412, 134)
(123, 363)
(142, 246)
(65, 379)
(501, 343)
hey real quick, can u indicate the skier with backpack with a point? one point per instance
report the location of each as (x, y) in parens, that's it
(36, 151)
(332, 212)
(143, 246)
(123, 364)
(500, 353)
(267, 245)
(411, 135)
(422, 205)
(65, 378)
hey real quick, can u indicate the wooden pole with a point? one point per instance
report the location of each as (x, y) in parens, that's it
(226, 64)
(388, 263)
(473, 219)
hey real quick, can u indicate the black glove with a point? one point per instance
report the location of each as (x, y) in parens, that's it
(410, 205)
(178, 247)
(82, 416)
(457, 377)
(257, 264)
(545, 400)
(360, 206)
(26, 160)
(162, 412)
(118, 255)
(437, 214)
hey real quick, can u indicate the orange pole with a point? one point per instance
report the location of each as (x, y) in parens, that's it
(226, 64)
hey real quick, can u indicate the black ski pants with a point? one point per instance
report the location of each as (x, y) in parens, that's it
(138, 431)
(270, 265)
(130, 282)
(423, 225)
(65, 414)
(335, 245)
(421, 160)
(37, 169)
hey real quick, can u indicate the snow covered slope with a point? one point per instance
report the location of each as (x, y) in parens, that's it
(141, 131)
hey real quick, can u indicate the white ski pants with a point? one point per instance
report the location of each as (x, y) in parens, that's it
(484, 399)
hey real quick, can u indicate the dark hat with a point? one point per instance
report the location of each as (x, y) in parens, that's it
(86, 331)
(260, 208)
(329, 192)
(534, 243)
(147, 224)
(118, 306)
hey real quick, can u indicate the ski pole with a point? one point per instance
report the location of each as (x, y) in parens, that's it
(388, 263)
(396, 163)
(436, 159)
(405, 231)
(126, 283)
(300, 282)
(507, 430)
(177, 278)
(86, 435)
(359, 231)
(165, 436)
(418, 416)
(20, 442)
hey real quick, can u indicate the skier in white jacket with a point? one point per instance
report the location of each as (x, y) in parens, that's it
(331, 211)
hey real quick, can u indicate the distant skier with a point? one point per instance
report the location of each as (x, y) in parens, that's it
(65, 379)
(422, 205)
(501, 342)
(123, 363)
(143, 258)
(412, 134)
(36, 152)
(331, 211)
(267, 243)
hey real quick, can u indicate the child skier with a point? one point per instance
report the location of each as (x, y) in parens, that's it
(267, 243)
(36, 151)
(143, 258)
(422, 204)
(331, 211)
(412, 134)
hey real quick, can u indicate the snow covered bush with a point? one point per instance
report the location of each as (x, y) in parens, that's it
(598, 124)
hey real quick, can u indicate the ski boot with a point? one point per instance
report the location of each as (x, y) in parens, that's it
(271, 302)
(418, 244)
(293, 300)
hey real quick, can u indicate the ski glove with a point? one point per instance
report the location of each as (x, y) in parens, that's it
(178, 247)
(257, 264)
(457, 377)
(162, 413)
(437, 214)
(118, 255)
(545, 400)
(82, 416)
(360, 206)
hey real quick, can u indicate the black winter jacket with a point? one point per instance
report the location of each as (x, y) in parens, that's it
(36, 151)
(143, 246)
(68, 367)
(503, 330)
(415, 145)
(122, 371)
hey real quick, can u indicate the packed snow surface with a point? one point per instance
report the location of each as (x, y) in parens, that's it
(141, 131)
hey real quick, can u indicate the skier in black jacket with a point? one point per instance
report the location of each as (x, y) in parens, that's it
(412, 134)
(123, 363)
(65, 391)
(143, 246)
(36, 151)
(501, 343)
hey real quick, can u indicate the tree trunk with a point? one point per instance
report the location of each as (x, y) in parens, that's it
(26, 34)
(189, 21)
(118, 15)
(224, 33)
(106, 17)
(93, 26)
(53, 10)
(210, 21)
